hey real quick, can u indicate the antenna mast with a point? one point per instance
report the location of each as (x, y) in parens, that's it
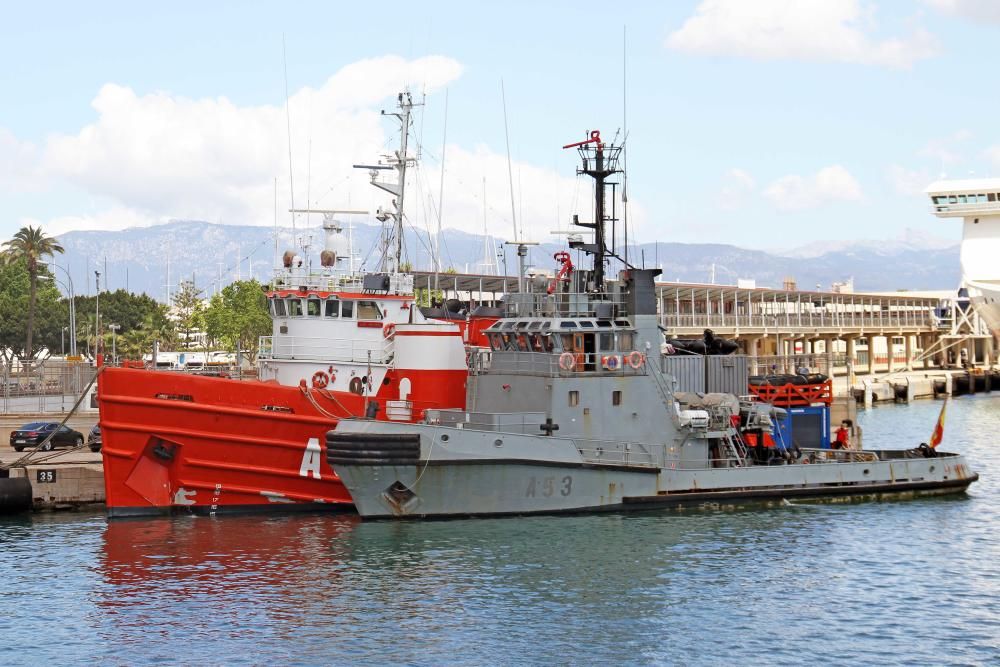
(600, 161)
(398, 161)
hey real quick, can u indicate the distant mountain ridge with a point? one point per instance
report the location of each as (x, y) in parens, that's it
(141, 258)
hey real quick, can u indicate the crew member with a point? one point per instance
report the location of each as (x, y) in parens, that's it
(842, 439)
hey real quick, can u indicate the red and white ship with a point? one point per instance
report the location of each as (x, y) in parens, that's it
(342, 345)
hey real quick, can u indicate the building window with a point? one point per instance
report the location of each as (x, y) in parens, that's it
(991, 196)
(616, 397)
(574, 398)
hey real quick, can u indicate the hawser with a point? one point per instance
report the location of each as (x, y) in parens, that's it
(571, 410)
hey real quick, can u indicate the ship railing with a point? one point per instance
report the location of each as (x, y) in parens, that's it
(613, 452)
(318, 348)
(525, 423)
(839, 455)
(329, 281)
(601, 305)
(920, 318)
(554, 364)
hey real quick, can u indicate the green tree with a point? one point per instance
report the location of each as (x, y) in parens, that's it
(189, 310)
(238, 317)
(29, 245)
(50, 315)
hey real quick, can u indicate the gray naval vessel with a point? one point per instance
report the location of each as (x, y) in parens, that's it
(571, 410)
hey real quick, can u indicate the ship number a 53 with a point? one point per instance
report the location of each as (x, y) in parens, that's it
(546, 487)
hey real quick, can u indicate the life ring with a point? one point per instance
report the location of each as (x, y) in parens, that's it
(389, 330)
(320, 380)
(567, 361)
(636, 359)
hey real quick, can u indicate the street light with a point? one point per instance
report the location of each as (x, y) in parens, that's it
(62, 338)
(97, 316)
(114, 350)
(72, 306)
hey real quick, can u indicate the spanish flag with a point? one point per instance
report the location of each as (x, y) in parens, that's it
(939, 427)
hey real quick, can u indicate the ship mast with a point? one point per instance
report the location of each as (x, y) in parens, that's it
(397, 161)
(600, 161)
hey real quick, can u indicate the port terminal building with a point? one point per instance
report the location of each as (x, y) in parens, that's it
(864, 332)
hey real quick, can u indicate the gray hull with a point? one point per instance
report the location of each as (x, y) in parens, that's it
(434, 471)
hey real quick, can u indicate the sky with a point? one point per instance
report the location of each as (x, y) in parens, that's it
(768, 124)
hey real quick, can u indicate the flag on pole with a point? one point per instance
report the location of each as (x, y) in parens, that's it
(939, 427)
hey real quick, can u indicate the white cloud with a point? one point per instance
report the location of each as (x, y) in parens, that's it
(150, 158)
(18, 164)
(737, 186)
(814, 30)
(979, 10)
(908, 181)
(946, 149)
(794, 192)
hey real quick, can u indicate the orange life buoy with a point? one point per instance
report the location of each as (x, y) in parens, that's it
(567, 361)
(320, 380)
(389, 330)
(636, 359)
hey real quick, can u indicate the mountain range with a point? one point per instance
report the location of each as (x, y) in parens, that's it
(155, 259)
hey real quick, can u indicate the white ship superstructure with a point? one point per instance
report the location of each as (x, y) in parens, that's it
(977, 202)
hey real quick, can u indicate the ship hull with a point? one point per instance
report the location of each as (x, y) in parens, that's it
(183, 443)
(464, 478)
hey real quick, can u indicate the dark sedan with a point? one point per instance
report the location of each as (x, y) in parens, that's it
(94, 439)
(30, 435)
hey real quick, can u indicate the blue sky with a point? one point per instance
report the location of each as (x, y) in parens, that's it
(768, 124)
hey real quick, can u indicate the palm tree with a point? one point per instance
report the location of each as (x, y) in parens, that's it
(30, 244)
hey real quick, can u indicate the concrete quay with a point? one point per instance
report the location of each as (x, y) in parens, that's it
(60, 479)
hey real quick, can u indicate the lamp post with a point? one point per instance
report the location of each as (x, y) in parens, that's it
(72, 306)
(62, 339)
(114, 349)
(97, 316)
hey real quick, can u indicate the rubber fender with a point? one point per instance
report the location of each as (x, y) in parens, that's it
(15, 495)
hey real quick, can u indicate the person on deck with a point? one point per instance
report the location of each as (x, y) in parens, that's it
(842, 438)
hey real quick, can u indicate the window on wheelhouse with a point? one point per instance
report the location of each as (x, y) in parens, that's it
(369, 310)
(625, 341)
(278, 307)
(607, 342)
(294, 307)
(313, 308)
(347, 309)
(333, 307)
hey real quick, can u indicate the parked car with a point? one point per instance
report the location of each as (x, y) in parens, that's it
(30, 435)
(94, 439)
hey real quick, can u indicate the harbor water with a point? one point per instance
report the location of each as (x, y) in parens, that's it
(903, 582)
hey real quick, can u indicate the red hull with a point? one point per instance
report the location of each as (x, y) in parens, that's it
(175, 441)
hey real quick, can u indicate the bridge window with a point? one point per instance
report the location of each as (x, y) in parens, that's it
(369, 310)
(313, 308)
(333, 307)
(294, 307)
(991, 196)
(347, 309)
(625, 341)
(278, 305)
(607, 342)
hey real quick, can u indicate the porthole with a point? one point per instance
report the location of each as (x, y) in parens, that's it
(933, 468)
(866, 471)
(498, 443)
(444, 438)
